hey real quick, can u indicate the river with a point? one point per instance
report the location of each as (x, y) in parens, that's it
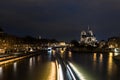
(92, 66)
(95, 66)
(39, 67)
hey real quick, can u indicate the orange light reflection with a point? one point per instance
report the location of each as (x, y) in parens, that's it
(52, 75)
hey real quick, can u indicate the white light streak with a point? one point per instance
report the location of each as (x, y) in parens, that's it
(71, 72)
(60, 73)
(81, 77)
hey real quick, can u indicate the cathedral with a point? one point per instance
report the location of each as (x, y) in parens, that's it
(88, 38)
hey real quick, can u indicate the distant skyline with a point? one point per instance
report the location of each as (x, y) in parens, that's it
(60, 19)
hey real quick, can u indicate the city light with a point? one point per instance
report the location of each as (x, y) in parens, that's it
(58, 60)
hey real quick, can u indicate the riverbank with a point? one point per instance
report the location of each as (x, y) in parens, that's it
(89, 50)
(117, 59)
(16, 56)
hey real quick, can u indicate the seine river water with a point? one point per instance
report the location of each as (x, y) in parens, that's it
(96, 66)
(93, 66)
(40, 67)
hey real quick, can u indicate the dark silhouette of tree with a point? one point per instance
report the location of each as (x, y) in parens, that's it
(75, 43)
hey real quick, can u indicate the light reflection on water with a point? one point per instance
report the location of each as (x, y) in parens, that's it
(52, 75)
(39, 67)
(98, 59)
(100, 65)
(31, 62)
(69, 54)
(101, 57)
(38, 58)
(1, 71)
(94, 60)
(94, 57)
(110, 64)
(15, 66)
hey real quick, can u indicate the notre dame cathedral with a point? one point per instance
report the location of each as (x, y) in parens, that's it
(88, 38)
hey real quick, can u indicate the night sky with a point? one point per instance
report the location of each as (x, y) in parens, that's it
(60, 19)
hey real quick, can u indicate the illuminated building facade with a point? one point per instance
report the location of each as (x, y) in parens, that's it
(88, 38)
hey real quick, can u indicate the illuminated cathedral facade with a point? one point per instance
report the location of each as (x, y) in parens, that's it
(88, 38)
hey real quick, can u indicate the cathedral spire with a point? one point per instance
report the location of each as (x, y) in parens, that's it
(88, 27)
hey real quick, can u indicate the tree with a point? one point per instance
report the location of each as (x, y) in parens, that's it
(75, 43)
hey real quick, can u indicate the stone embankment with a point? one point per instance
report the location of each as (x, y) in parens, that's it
(117, 59)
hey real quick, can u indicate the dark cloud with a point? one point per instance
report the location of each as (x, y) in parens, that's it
(61, 19)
